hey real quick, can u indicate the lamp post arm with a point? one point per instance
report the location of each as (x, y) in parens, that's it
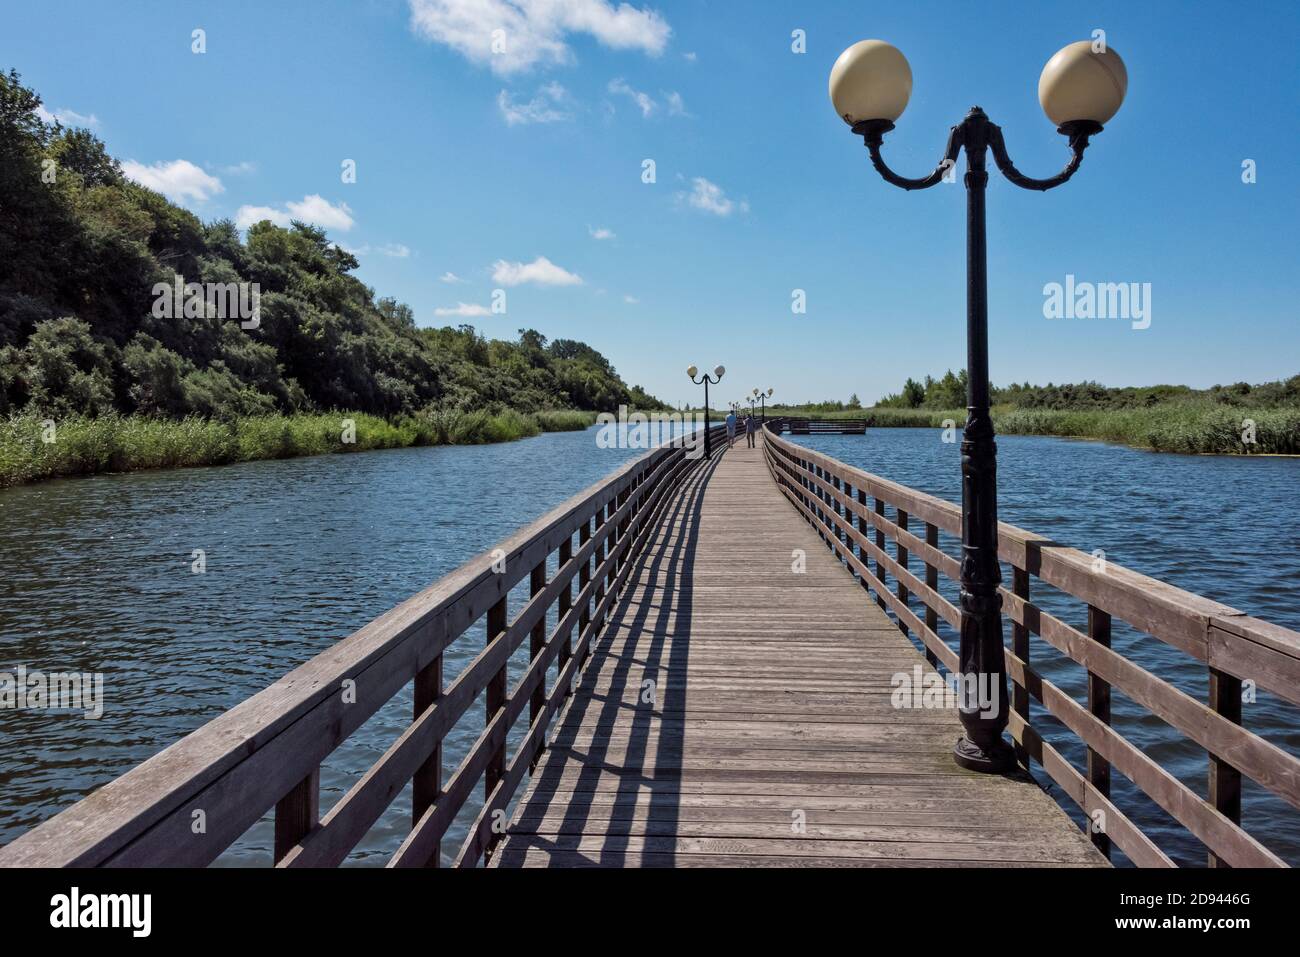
(1078, 131)
(873, 134)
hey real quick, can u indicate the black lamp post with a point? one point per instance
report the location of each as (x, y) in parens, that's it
(717, 377)
(762, 403)
(1080, 88)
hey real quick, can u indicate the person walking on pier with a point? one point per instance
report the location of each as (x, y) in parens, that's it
(751, 428)
(731, 428)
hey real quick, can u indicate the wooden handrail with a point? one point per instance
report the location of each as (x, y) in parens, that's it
(1232, 644)
(190, 802)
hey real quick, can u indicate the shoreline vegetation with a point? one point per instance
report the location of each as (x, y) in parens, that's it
(33, 450)
(1237, 419)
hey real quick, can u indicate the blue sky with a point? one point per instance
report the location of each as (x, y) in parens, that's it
(522, 171)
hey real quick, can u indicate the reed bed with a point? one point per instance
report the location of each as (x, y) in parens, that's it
(33, 449)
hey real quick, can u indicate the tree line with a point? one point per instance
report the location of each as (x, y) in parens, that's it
(82, 249)
(949, 392)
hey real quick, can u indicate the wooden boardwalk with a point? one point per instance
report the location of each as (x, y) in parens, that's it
(733, 709)
(768, 737)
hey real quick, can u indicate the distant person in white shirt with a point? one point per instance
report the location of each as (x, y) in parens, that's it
(731, 429)
(751, 427)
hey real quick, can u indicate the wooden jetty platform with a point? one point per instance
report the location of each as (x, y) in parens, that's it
(696, 657)
(769, 737)
(802, 426)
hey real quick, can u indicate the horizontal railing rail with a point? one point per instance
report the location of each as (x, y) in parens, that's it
(266, 752)
(848, 507)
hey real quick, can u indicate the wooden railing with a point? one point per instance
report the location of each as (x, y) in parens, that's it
(266, 753)
(848, 506)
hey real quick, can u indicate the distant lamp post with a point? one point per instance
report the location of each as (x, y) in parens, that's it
(695, 377)
(762, 403)
(1080, 89)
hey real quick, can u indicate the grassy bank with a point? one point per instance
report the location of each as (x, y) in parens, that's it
(1194, 427)
(78, 445)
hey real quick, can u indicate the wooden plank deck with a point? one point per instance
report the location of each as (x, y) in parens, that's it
(770, 709)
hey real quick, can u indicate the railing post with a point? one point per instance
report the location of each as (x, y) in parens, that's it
(1099, 706)
(1020, 699)
(811, 485)
(806, 467)
(880, 568)
(622, 534)
(638, 502)
(848, 517)
(901, 550)
(584, 577)
(1225, 780)
(565, 606)
(835, 510)
(297, 814)
(863, 527)
(817, 490)
(426, 785)
(495, 698)
(536, 645)
(602, 553)
(932, 580)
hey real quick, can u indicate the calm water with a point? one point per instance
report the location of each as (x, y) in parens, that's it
(96, 575)
(1220, 526)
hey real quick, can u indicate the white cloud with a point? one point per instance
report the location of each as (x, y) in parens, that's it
(248, 215)
(67, 117)
(319, 211)
(313, 209)
(467, 310)
(601, 233)
(545, 107)
(240, 169)
(631, 300)
(541, 271)
(711, 198)
(647, 104)
(450, 277)
(644, 101)
(395, 250)
(527, 33)
(178, 180)
(690, 56)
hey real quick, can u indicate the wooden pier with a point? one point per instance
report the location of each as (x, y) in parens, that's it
(738, 713)
(703, 672)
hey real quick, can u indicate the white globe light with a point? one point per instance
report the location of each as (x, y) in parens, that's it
(692, 371)
(719, 371)
(870, 81)
(1080, 84)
